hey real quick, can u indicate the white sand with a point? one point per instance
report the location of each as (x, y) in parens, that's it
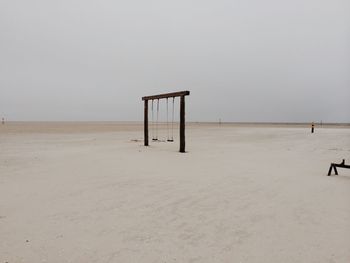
(87, 193)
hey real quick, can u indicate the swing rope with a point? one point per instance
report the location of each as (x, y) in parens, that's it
(167, 119)
(172, 122)
(157, 119)
(153, 135)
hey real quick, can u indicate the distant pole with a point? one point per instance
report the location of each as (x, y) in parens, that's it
(3, 121)
(312, 127)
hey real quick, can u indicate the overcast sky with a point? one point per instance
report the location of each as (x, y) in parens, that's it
(242, 60)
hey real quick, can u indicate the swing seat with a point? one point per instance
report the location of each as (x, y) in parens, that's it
(169, 140)
(154, 139)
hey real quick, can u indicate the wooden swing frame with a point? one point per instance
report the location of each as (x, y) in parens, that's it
(180, 94)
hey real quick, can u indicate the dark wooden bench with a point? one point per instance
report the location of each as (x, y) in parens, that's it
(339, 165)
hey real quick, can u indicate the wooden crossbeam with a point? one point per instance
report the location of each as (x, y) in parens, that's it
(167, 95)
(339, 165)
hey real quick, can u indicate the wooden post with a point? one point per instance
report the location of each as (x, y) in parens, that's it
(182, 124)
(146, 123)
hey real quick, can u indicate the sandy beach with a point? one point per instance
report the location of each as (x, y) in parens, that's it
(91, 192)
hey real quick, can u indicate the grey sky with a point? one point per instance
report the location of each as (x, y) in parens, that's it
(246, 60)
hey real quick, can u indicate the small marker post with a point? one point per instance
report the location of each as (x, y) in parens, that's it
(312, 127)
